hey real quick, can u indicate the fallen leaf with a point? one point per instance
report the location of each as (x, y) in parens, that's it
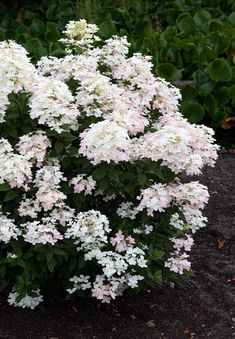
(228, 122)
(221, 243)
(191, 334)
(75, 309)
(114, 329)
(150, 323)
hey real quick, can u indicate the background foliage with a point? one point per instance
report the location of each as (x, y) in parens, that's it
(192, 43)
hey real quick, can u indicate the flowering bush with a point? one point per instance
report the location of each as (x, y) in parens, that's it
(92, 150)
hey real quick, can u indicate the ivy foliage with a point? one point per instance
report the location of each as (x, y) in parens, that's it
(192, 43)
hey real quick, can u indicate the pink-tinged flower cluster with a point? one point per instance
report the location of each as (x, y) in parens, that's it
(178, 263)
(82, 184)
(121, 243)
(47, 181)
(193, 194)
(154, 199)
(178, 145)
(33, 147)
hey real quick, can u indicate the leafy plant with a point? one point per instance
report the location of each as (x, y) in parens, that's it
(92, 147)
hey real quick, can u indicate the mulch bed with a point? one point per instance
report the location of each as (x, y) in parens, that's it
(201, 308)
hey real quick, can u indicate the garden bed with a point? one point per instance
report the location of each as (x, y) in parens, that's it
(202, 308)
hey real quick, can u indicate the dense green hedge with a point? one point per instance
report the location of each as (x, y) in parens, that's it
(192, 43)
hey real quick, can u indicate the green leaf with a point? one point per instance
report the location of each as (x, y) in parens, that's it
(186, 24)
(231, 18)
(218, 116)
(206, 88)
(143, 27)
(142, 178)
(51, 264)
(156, 254)
(99, 173)
(222, 95)
(60, 252)
(11, 195)
(104, 184)
(52, 32)
(201, 17)
(59, 147)
(189, 93)
(158, 276)
(34, 46)
(49, 255)
(169, 72)
(154, 168)
(193, 111)
(220, 70)
(5, 187)
(52, 11)
(107, 28)
(38, 27)
(210, 104)
(232, 92)
(81, 262)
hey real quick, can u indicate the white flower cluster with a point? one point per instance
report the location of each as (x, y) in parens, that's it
(105, 141)
(80, 282)
(15, 169)
(41, 232)
(27, 301)
(52, 104)
(118, 271)
(8, 229)
(126, 210)
(80, 34)
(16, 73)
(89, 229)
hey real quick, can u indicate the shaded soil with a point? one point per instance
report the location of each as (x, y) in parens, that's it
(202, 308)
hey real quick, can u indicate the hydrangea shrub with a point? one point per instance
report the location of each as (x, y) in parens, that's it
(92, 150)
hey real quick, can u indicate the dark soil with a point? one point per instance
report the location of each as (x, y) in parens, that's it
(202, 308)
